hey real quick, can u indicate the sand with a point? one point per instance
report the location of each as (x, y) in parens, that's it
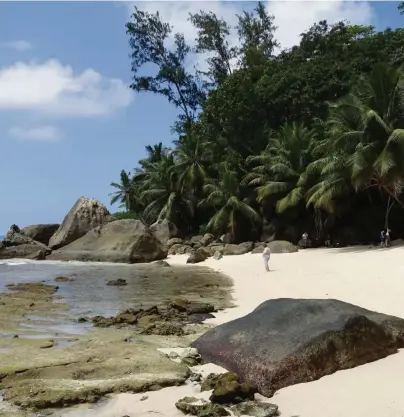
(371, 278)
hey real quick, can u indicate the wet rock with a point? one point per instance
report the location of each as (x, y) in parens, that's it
(33, 287)
(228, 390)
(290, 341)
(255, 409)
(117, 282)
(165, 264)
(85, 215)
(177, 312)
(165, 329)
(40, 232)
(200, 408)
(209, 382)
(126, 241)
(63, 279)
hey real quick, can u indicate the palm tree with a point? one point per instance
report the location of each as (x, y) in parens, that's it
(193, 156)
(125, 191)
(278, 171)
(365, 143)
(225, 195)
(163, 196)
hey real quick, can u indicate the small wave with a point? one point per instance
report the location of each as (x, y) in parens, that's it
(13, 263)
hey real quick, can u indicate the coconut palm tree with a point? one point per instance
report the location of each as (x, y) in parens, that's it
(226, 197)
(278, 170)
(162, 194)
(193, 156)
(365, 143)
(125, 191)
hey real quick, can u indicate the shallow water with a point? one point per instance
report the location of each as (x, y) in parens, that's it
(88, 294)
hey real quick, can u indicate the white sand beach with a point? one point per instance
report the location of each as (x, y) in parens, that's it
(371, 278)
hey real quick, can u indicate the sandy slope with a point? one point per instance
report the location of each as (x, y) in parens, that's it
(371, 278)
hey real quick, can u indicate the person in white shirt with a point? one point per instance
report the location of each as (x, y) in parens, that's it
(305, 236)
(387, 237)
(266, 255)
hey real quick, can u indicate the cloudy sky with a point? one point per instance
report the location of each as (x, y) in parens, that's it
(68, 122)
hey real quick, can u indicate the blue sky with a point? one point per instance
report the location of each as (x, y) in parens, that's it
(68, 122)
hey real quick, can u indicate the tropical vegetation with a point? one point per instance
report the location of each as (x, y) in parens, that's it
(309, 138)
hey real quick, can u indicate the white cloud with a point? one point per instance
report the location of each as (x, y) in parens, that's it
(18, 45)
(38, 133)
(291, 17)
(53, 89)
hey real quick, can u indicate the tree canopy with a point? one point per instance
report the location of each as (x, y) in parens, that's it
(309, 138)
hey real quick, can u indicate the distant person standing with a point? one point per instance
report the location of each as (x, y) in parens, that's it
(266, 255)
(387, 237)
(305, 236)
(382, 238)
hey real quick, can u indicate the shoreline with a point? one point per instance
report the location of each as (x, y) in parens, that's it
(368, 277)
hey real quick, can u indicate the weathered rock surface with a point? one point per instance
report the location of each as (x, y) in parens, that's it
(282, 246)
(200, 408)
(228, 390)
(40, 232)
(127, 241)
(255, 409)
(198, 255)
(290, 341)
(174, 241)
(85, 215)
(167, 319)
(179, 249)
(14, 237)
(117, 282)
(209, 382)
(24, 251)
(164, 230)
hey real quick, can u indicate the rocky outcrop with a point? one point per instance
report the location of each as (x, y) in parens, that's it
(24, 251)
(40, 232)
(198, 255)
(282, 246)
(85, 215)
(255, 409)
(174, 241)
(290, 341)
(228, 390)
(126, 241)
(17, 245)
(200, 407)
(164, 230)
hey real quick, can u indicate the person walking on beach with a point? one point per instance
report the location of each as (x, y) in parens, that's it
(382, 238)
(266, 256)
(305, 236)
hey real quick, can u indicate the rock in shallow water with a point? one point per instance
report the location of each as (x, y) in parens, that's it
(290, 341)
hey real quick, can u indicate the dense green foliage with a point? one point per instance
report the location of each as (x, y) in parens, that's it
(309, 139)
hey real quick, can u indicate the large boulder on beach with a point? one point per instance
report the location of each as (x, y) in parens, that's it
(282, 246)
(289, 341)
(127, 241)
(24, 251)
(164, 230)
(40, 232)
(85, 215)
